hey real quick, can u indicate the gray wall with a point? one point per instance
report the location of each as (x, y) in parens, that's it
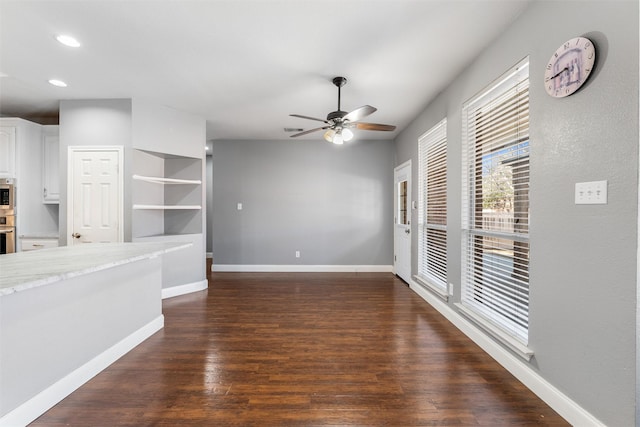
(92, 123)
(167, 130)
(583, 258)
(331, 203)
(209, 191)
(136, 124)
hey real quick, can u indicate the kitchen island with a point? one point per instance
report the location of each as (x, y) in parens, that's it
(67, 313)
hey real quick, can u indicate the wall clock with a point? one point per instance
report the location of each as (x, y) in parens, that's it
(569, 67)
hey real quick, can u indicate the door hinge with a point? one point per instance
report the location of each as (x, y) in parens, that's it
(395, 258)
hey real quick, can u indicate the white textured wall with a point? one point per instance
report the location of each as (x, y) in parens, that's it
(583, 257)
(92, 123)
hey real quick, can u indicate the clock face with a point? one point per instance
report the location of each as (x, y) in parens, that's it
(569, 67)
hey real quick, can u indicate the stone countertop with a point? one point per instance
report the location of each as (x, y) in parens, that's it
(25, 270)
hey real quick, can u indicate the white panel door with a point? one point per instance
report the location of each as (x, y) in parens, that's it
(95, 199)
(402, 220)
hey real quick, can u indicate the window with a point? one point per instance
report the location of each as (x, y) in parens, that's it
(432, 221)
(495, 205)
(401, 215)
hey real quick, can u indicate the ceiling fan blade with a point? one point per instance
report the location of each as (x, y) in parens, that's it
(360, 113)
(374, 126)
(309, 131)
(307, 117)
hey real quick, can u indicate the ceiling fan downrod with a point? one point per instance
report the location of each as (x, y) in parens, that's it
(338, 114)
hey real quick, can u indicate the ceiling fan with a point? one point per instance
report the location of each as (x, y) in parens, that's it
(339, 122)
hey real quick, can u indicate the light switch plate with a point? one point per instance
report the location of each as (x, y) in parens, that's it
(591, 193)
(239, 206)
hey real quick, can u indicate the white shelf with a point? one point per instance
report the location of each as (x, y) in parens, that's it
(167, 207)
(161, 180)
(167, 194)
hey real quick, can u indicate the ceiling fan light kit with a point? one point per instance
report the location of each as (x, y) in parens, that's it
(338, 136)
(338, 122)
(328, 135)
(347, 135)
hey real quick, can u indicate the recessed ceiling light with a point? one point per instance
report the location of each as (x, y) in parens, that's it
(58, 83)
(68, 40)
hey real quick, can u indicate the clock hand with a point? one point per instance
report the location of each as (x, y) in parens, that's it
(560, 72)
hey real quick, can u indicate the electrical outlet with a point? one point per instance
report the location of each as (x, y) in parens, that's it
(297, 254)
(591, 193)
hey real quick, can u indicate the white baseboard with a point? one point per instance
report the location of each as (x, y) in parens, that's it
(46, 399)
(188, 288)
(561, 403)
(303, 268)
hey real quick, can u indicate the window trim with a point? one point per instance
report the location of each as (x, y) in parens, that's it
(512, 343)
(434, 139)
(490, 316)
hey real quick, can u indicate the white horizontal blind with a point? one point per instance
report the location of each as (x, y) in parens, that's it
(495, 205)
(432, 223)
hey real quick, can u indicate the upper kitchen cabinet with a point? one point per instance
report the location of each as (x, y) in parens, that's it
(50, 165)
(7, 152)
(21, 158)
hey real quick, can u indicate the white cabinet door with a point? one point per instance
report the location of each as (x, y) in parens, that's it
(27, 244)
(7, 151)
(51, 165)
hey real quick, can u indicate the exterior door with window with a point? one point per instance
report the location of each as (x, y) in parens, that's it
(94, 213)
(402, 219)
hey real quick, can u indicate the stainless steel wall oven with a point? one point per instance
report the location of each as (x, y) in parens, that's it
(7, 233)
(7, 216)
(7, 194)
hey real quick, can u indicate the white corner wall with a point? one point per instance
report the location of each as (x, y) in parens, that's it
(140, 125)
(583, 286)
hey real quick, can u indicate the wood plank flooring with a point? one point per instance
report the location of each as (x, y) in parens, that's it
(312, 349)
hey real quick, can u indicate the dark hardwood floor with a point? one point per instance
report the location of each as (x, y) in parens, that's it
(306, 349)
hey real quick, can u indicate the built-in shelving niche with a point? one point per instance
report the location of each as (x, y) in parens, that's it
(166, 194)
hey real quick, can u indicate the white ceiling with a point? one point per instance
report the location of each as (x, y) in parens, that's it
(245, 65)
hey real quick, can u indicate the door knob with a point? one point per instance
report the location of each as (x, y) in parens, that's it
(76, 235)
(407, 231)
